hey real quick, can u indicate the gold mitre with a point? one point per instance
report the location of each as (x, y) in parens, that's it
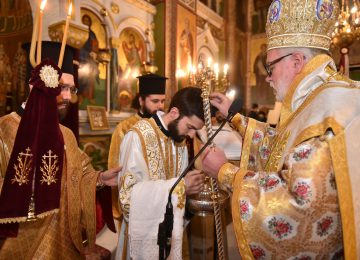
(301, 23)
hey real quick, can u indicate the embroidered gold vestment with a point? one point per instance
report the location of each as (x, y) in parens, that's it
(295, 191)
(60, 235)
(148, 155)
(114, 155)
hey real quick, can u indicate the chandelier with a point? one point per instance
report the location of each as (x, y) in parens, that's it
(210, 75)
(347, 26)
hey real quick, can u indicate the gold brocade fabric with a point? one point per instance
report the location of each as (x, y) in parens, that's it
(117, 136)
(317, 23)
(158, 155)
(114, 155)
(297, 197)
(150, 156)
(58, 236)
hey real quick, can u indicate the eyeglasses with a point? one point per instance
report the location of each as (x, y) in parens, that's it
(72, 89)
(269, 67)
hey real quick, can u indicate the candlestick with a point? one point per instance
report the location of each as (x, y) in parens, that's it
(38, 53)
(34, 35)
(63, 43)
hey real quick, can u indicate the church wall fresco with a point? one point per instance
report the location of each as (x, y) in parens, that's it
(92, 72)
(15, 29)
(186, 42)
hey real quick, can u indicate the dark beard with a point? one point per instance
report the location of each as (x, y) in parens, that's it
(147, 113)
(62, 112)
(174, 131)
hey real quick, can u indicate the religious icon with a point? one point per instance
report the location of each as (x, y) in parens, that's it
(97, 117)
(132, 54)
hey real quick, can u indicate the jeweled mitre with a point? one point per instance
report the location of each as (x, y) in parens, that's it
(301, 23)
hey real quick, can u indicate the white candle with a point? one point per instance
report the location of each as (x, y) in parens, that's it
(38, 53)
(216, 70)
(226, 68)
(63, 43)
(209, 62)
(34, 36)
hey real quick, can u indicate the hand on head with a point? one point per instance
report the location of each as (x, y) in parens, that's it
(194, 182)
(221, 102)
(212, 160)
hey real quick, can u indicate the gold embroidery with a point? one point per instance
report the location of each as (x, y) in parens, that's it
(227, 174)
(242, 243)
(308, 69)
(159, 162)
(50, 168)
(126, 182)
(31, 211)
(23, 168)
(49, 76)
(180, 192)
(277, 151)
(318, 130)
(343, 182)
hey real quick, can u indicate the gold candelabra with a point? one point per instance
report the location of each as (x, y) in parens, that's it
(209, 76)
(347, 26)
(211, 199)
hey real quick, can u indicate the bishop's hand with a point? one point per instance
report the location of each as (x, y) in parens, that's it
(212, 160)
(221, 102)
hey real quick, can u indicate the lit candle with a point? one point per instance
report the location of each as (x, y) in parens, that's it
(63, 43)
(193, 70)
(38, 53)
(209, 61)
(226, 67)
(34, 35)
(216, 70)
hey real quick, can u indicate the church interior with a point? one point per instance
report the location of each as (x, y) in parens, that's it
(118, 40)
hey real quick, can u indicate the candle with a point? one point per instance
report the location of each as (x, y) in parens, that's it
(34, 35)
(63, 43)
(209, 61)
(193, 70)
(38, 53)
(216, 70)
(226, 67)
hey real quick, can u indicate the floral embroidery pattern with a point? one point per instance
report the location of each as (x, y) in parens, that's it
(324, 225)
(252, 161)
(257, 137)
(23, 168)
(244, 121)
(279, 227)
(269, 182)
(50, 166)
(245, 209)
(302, 153)
(270, 132)
(257, 252)
(302, 192)
(264, 152)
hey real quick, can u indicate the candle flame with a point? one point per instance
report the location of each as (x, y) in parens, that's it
(209, 61)
(226, 67)
(70, 9)
(42, 6)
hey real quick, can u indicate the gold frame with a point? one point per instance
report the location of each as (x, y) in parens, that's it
(97, 117)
